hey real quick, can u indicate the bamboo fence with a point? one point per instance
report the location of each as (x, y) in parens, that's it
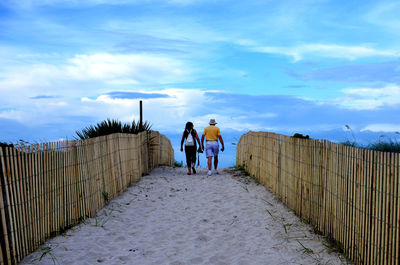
(349, 194)
(50, 187)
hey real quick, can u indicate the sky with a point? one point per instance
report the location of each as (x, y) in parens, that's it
(309, 67)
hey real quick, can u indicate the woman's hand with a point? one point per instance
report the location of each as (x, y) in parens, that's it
(181, 149)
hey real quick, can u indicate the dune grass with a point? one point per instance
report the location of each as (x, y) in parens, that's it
(384, 144)
(111, 126)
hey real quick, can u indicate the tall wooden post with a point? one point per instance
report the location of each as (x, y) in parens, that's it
(141, 115)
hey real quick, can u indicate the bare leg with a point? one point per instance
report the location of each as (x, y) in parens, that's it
(215, 162)
(189, 169)
(193, 168)
(209, 162)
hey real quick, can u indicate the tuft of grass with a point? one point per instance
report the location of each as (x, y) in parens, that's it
(334, 245)
(270, 204)
(300, 136)
(348, 128)
(350, 143)
(2, 144)
(306, 250)
(111, 126)
(101, 222)
(385, 146)
(286, 226)
(106, 196)
(178, 164)
(46, 250)
(273, 217)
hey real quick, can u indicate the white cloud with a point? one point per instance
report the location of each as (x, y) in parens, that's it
(382, 127)
(13, 115)
(137, 68)
(172, 112)
(370, 98)
(306, 51)
(167, 113)
(385, 14)
(100, 70)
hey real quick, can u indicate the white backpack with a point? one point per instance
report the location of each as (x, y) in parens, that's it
(189, 140)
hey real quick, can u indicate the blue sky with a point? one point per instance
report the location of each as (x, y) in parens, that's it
(281, 66)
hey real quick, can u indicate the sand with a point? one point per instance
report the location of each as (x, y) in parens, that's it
(171, 218)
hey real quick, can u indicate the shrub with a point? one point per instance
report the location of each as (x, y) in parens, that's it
(351, 143)
(111, 126)
(299, 135)
(178, 164)
(390, 146)
(6, 145)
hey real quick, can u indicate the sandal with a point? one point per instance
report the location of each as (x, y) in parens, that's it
(194, 170)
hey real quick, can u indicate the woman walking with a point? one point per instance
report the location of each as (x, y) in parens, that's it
(190, 135)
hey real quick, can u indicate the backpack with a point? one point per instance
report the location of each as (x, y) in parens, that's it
(190, 139)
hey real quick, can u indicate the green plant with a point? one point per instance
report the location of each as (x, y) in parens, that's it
(301, 136)
(349, 143)
(385, 146)
(2, 144)
(348, 128)
(46, 250)
(106, 197)
(306, 250)
(178, 164)
(111, 126)
(286, 226)
(101, 222)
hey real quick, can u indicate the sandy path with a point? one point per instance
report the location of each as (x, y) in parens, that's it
(171, 218)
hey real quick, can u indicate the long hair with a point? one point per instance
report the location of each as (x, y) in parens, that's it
(189, 126)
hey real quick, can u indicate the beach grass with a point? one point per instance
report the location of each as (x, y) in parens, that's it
(111, 126)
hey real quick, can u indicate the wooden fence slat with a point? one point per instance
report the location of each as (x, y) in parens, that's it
(388, 224)
(347, 200)
(393, 209)
(397, 208)
(372, 211)
(15, 198)
(28, 198)
(23, 201)
(369, 246)
(357, 207)
(379, 208)
(4, 198)
(363, 192)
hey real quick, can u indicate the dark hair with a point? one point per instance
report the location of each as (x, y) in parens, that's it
(189, 126)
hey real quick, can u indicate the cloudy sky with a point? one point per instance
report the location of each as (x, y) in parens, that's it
(283, 66)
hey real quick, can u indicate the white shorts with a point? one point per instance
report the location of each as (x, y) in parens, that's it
(212, 148)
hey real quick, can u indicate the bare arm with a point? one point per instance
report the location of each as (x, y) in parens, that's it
(183, 138)
(197, 137)
(202, 141)
(222, 142)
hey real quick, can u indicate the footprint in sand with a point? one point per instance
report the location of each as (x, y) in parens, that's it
(203, 238)
(197, 260)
